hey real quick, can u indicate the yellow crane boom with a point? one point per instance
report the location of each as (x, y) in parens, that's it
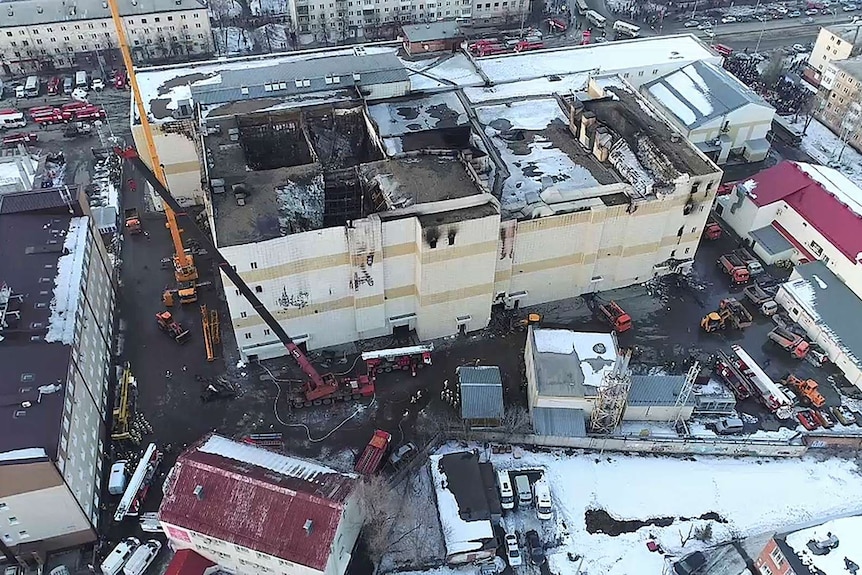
(184, 267)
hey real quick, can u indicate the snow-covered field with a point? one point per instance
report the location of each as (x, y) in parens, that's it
(823, 145)
(751, 496)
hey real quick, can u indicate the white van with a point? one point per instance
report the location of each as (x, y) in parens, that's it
(12, 118)
(522, 486)
(542, 493)
(117, 478)
(81, 80)
(113, 563)
(504, 484)
(142, 558)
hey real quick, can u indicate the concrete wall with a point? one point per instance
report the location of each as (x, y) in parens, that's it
(750, 122)
(178, 154)
(656, 412)
(345, 538)
(653, 445)
(240, 560)
(38, 508)
(316, 283)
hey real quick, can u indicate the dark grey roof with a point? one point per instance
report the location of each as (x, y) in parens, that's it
(656, 390)
(33, 12)
(559, 422)
(432, 31)
(703, 82)
(324, 73)
(37, 200)
(771, 240)
(464, 481)
(481, 392)
(840, 310)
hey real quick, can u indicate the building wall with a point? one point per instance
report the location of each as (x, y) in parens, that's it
(308, 279)
(351, 18)
(37, 508)
(62, 44)
(748, 123)
(828, 48)
(178, 153)
(81, 449)
(818, 335)
(657, 412)
(844, 99)
(245, 561)
(771, 561)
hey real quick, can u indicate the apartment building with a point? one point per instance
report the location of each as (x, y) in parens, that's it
(252, 511)
(833, 44)
(827, 548)
(361, 17)
(41, 36)
(56, 311)
(841, 107)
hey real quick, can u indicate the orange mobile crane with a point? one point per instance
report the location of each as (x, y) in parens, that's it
(184, 266)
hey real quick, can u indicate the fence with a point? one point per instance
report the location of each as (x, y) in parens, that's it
(653, 445)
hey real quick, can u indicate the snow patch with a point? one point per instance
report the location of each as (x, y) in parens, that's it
(67, 283)
(673, 104)
(461, 536)
(695, 93)
(19, 454)
(819, 281)
(847, 532)
(823, 145)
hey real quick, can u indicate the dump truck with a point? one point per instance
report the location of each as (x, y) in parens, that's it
(372, 456)
(791, 342)
(133, 221)
(751, 262)
(807, 389)
(618, 319)
(733, 266)
(712, 231)
(761, 298)
(169, 325)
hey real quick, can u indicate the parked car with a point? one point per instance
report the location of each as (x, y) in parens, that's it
(729, 426)
(812, 12)
(704, 25)
(824, 418)
(794, 399)
(849, 7)
(844, 415)
(535, 548)
(690, 564)
(403, 454)
(513, 553)
(54, 85)
(798, 48)
(762, 18)
(728, 20)
(794, 14)
(97, 85)
(692, 24)
(79, 94)
(807, 419)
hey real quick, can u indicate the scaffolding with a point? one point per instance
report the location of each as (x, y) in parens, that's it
(683, 397)
(613, 396)
(6, 297)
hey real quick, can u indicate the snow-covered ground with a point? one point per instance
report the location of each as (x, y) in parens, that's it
(751, 496)
(232, 41)
(259, 7)
(847, 532)
(823, 145)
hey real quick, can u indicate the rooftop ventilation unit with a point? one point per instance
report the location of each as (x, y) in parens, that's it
(308, 526)
(199, 492)
(243, 90)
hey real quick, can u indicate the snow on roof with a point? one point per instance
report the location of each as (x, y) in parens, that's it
(460, 535)
(442, 73)
(163, 87)
(605, 58)
(562, 85)
(833, 307)
(594, 355)
(283, 464)
(667, 99)
(534, 162)
(835, 183)
(21, 454)
(67, 283)
(431, 112)
(848, 533)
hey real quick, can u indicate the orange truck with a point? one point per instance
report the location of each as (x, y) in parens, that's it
(806, 388)
(732, 265)
(794, 343)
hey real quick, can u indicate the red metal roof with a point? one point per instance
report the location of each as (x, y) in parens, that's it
(821, 209)
(187, 562)
(255, 506)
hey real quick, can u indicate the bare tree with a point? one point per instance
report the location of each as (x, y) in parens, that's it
(382, 508)
(516, 420)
